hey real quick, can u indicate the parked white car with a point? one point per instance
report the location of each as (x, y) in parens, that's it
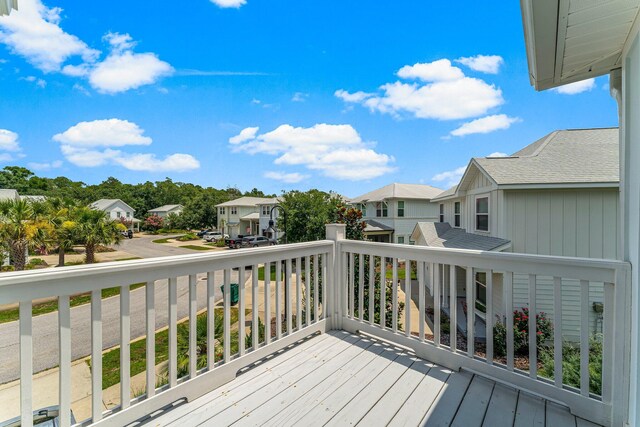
(214, 236)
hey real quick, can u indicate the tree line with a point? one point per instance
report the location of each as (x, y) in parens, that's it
(199, 202)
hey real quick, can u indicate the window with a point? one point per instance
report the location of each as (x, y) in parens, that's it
(381, 209)
(401, 240)
(482, 214)
(363, 208)
(128, 214)
(456, 214)
(441, 212)
(265, 210)
(234, 210)
(118, 214)
(400, 208)
(222, 211)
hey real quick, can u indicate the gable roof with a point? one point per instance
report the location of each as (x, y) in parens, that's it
(165, 208)
(581, 156)
(105, 204)
(373, 226)
(442, 235)
(9, 194)
(246, 201)
(399, 191)
(446, 193)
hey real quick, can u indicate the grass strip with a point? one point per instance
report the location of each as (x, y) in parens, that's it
(197, 248)
(111, 359)
(161, 240)
(12, 314)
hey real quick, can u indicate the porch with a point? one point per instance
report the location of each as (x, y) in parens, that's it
(340, 378)
(360, 362)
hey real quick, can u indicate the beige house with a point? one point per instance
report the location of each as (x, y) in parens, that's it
(392, 212)
(241, 216)
(557, 196)
(165, 210)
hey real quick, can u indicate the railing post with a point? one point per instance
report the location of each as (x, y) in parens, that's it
(337, 309)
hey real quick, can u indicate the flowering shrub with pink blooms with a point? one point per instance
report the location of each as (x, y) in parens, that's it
(544, 332)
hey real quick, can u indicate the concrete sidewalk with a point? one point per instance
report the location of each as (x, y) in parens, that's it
(45, 392)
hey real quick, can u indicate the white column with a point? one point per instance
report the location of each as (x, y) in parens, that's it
(336, 232)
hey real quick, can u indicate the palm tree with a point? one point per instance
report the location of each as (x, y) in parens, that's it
(93, 228)
(22, 227)
(61, 214)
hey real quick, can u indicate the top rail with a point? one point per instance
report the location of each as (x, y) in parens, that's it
(34, 284)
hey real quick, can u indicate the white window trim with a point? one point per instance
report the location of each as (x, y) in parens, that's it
(403, 209)
(441, 211)
(475, 212)
(459, 214)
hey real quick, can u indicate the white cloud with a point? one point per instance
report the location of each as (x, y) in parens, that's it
(289, 178)
(229, 3)
(484, 63)
(299, 97)
(150, 163)
(6, 157)
(45, 166)
(485, 125)
(245, 135)
(123, 69)
(38, 82)
(444, 94)
(336, 151)
(81, 89)
(89, 144)
(498, 154)
(577, 87)
(33, 32)
(9, 140)
(450, 178)
(103, 133)
(436, 71)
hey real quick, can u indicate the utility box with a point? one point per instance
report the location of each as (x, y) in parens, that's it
(234, 292)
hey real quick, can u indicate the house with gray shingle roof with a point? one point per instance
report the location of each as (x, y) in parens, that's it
(117, 210)
(557, 196)
(242, 215)
(165, 210)
(392, 212)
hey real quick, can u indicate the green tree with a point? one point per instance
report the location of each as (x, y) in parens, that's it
(61, 215)
(93, 228)
(306, 214)
(22, 227)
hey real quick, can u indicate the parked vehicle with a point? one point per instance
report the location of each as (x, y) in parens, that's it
(255, 241)
(128, 234)
(45, 417)
(201, 233)
(235, 242)
(214, 236)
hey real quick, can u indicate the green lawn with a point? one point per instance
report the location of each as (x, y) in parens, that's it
(127, 259)
(51, 306)
(273, 272)
(401, 274)
(161, 240)
(111, 359)
(197, 248)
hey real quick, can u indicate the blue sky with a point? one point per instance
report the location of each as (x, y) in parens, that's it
(278, 95)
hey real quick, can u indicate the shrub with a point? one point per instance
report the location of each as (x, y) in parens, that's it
(544, 330)
(7, 268)
(220, 243)
(571, 364)
(187, 237)
(153, 222)
(445, 322)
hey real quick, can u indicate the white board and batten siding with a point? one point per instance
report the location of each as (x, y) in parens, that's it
(582, 223)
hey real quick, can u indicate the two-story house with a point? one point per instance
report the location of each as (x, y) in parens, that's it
(557, 196)
(165, 210)
(392, 212)
(241, 216)
(117, 210)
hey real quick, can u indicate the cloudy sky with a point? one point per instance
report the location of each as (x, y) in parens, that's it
(283, 94)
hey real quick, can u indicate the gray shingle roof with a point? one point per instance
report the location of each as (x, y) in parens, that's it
(165, 208)
(446, 193)
(581, 156)
(246, 201)
(399, 191)
(442, 235)
(375, 226)
(104, 204)
(8, 194)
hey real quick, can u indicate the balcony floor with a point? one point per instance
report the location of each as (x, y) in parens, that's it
(339, 378)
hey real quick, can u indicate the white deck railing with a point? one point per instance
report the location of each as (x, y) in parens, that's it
(328, 293)
(607, 408)
(310, 260)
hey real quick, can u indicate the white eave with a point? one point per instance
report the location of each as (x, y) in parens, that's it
(7, 5)
(572, 40)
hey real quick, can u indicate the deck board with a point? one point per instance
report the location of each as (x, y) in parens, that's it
(339, 378)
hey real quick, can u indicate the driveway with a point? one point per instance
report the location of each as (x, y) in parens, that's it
(144, 247)
(45, 327)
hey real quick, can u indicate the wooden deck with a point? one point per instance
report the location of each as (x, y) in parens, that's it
(343, 379)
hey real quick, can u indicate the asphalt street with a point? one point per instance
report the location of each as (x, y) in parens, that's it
(45, 327)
